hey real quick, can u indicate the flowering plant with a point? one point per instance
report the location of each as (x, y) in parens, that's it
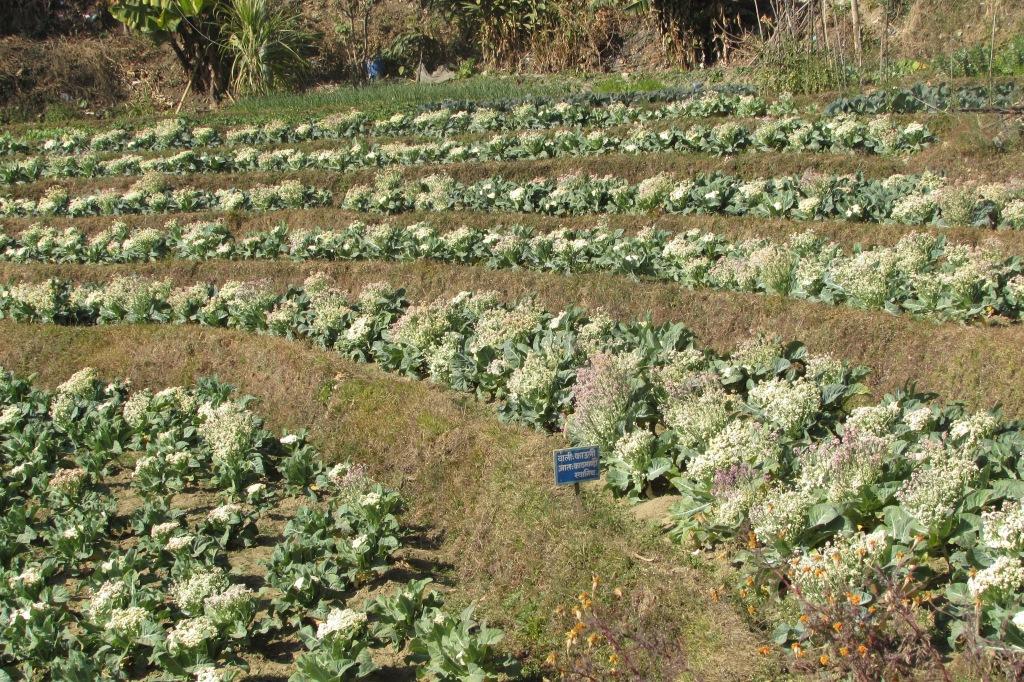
(301, 465)
(230, 525)
(338, 648)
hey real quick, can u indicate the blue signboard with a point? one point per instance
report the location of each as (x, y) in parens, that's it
(575, 465)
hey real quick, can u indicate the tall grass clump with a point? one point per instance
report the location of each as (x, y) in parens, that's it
(266, 43)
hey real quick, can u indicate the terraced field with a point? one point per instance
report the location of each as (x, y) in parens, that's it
(793, 328)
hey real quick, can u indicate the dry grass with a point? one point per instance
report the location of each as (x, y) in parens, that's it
(935, 27)
(513, 542)
(58, 76)
(35, 74)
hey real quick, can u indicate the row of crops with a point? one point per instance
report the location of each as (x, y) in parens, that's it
(180, 133)
(841, 496)
(925, 97)
(917, 97)
(451, 118)
(924, 199)
(876, 136)
(131, 523)
(922, 274)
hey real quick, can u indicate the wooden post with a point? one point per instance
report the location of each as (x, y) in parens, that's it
(188, 86)
(857, 47)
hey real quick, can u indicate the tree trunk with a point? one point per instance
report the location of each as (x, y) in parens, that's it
(366, 36)
(855, 17)
(183, 59)
(883, 56)
(824, 30)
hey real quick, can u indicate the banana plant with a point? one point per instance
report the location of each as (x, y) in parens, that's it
(157, 18)
(190, 27)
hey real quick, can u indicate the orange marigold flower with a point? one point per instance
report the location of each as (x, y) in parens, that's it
(823, 659)
(837, 626)
(862, 650)
(765, 650)
(844, 651)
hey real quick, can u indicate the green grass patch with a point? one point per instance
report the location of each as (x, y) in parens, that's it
(617, 84)
(388, 97)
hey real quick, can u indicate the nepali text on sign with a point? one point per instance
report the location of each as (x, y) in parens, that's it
(575, 465)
